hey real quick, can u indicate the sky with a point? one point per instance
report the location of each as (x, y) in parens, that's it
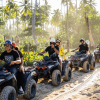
(56, 4)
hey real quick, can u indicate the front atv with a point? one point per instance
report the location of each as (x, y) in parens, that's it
(9, 86)
(97, 55)
(51, 70)
(84, 61)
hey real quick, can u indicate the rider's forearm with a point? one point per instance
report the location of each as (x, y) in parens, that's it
(43, 52)
(21, 62)
(56, 51)
(76, 49)
(17, 62)
(0, 61)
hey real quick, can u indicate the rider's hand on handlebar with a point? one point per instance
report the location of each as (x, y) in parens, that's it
(73, 51)
(40, 53)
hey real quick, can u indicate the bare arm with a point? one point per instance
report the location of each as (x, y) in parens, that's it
(77, 48)
(57, 52)
(18, 61)
(21, 68)
(0, 61)
(21, 61)
(42, 52)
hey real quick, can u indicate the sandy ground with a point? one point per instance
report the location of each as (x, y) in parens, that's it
(81, 86)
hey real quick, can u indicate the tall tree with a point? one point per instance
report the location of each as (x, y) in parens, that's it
(87, 6)
(56, 19)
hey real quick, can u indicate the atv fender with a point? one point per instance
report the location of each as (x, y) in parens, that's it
(12, 76)
(30, 76)
(56, 64)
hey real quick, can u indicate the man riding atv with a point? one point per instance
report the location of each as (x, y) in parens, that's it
(52, 49)
(12, 57)
(84, 49)
(50, 68)
(83, 46)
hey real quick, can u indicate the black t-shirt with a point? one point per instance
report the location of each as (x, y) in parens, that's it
(8, 57)
(83, 47)
(51, 50)
(20, 54)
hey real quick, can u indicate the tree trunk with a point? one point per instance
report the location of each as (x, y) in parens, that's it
(89, 33)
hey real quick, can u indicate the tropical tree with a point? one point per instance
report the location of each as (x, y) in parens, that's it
(87, 7)
(56, 19)
(2, 22)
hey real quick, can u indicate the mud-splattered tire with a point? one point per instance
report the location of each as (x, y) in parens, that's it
(86, 67)
(56, 77)
(31, 90)
(67, 74)
(8, 93)
(92, 67)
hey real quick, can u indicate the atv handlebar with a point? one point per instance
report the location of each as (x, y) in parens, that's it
(6, 64)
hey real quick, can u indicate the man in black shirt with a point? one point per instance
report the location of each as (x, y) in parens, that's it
(10, 56)
(83, 46)
(52, 49)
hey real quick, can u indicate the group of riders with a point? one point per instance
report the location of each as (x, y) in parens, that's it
(13, 55)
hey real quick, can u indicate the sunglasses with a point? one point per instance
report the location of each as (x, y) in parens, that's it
(6, 45)
(52, 43)
(57, 42)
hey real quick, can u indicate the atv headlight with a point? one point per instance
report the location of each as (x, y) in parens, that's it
(50, 66)
(81, 58)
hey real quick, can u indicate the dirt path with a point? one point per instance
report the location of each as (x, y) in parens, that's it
(46, 91)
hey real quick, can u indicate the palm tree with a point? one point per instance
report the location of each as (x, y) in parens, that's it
(10, 11)
(56, 18)
(85, 4)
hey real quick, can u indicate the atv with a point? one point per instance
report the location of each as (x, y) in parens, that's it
(97, 55)
(9, 85)
(83, 60)
(50, 69)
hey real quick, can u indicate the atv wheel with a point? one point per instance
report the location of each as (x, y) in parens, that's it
(8, 93)
(86, 66)
(67, 74)
(31, 90)
(56, 77)
(92, 65)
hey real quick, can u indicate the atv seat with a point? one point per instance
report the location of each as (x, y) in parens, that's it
(46, 58)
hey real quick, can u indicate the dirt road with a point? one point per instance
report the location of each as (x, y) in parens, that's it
(79, 81)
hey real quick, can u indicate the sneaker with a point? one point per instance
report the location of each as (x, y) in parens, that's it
(21, 91)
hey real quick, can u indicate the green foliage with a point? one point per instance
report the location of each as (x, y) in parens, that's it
(77, 24)
(56, 18)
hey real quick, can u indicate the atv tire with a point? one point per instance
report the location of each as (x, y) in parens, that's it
(31, 89)
(8, 93)
(86, 67)
(92, 67)
(56, 77)
(67, 74)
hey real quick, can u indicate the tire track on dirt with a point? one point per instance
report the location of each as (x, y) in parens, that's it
(46, 91)
(69, 93)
